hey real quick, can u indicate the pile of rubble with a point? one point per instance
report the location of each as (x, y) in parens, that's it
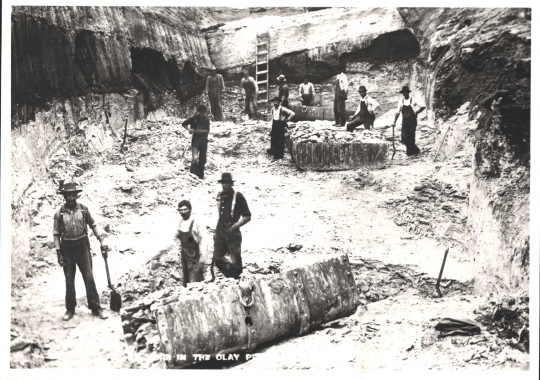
(322, 132)
(432, 203)
(508, 318)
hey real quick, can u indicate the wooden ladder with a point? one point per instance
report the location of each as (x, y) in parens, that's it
(262, 67)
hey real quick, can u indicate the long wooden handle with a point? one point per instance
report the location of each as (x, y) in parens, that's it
(108, 275)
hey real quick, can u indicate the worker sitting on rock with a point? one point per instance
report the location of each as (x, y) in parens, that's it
(280, 117)
(409, 122)
(73, 248)
(214, 89)
(341, 86)
(193, 238)
(306, 92)
(200, 127)
(365, 113)
(283, 92)
(233, 213)
(251, 90)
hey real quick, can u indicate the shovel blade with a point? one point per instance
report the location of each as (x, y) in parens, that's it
(116, 301)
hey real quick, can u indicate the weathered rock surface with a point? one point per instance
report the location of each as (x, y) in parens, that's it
(315, 43)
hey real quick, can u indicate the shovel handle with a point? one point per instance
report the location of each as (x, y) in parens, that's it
(108, 275)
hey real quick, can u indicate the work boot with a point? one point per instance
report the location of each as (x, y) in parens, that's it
(201, 171)
(99, 313)
(69, 314)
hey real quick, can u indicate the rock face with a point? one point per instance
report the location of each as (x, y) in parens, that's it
(314, 44)
(70, 51)
(482, 56)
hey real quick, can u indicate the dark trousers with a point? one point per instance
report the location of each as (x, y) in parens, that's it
(339, 111)
(191, 269)
(277, 138)
(250, 100)
(408, 136)
(215, 104)
(77, 254)
(357, 121)
(231, 243)
(307, 99)
(197, 167)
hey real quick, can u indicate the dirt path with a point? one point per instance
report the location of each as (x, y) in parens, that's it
(316, 209)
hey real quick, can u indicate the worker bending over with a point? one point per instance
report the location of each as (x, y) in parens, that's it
(200, 127)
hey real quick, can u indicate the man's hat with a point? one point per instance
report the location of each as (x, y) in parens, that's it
(70, 187)
(275, 98)
(362, 88)
(226, 177)
(281, 78)
(405, 90)
(201, 108)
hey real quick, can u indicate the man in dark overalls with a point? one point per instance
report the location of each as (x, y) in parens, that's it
(233, 213)
(214, 89)
(365, 114)
(73, 249)
(408, 126)
(283, 91)
(193, 238)
(200, 127)
(280, 116)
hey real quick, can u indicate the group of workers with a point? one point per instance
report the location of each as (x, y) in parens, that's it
(71, 220)
(73, 246)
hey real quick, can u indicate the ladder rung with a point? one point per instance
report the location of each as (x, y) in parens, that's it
(263, 91)
(262, 72)
(261, 62)
(262, 43)
(262, 101)
(262, 82)
(262, 52)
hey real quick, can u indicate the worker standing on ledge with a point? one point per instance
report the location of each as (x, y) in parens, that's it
(283, 93)
(280, 117)
(200, 127)
(341, 86)
(73, 248)
(251, 90)
(214, 89)
(306, 93)
(233, 213)
(409, 122)
(193, 238)
(365, 113)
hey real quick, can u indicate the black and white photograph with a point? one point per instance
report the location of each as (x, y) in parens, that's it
(260, 187)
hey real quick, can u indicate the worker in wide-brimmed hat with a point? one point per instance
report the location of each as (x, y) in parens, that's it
(408, 126)
(215, 86)
(199, 126)
(365, 113)
(280, 116)
(73, 248)
(233, 213)
(251, 90)
(283, 91)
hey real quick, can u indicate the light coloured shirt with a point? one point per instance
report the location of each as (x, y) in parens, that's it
(283, 114)
(306, 88)
(218, 80)
(199, 234)
(412, 101)
(71, 225)
(249, 85)
(372, 104)
(343, 82)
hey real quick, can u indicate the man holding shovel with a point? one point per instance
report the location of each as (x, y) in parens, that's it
(73, 248)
